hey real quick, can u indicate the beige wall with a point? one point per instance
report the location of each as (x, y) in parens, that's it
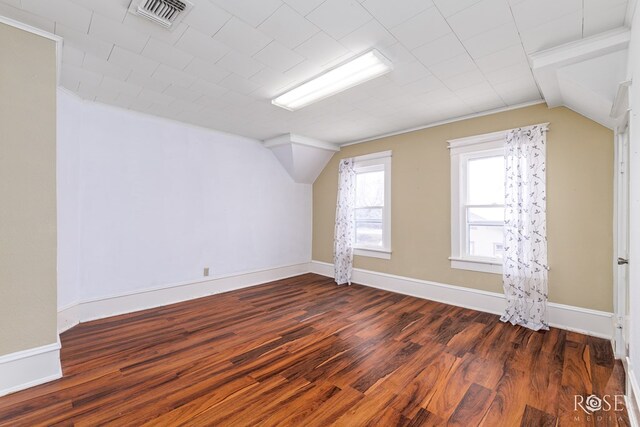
(579, 205)
(27, 190)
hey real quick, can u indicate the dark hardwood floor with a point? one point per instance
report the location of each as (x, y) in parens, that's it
(304, 352)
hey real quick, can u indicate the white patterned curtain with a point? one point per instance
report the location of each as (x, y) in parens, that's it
(525, 251)
(345, 227)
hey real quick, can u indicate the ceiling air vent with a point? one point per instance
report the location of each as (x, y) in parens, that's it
(164, 12)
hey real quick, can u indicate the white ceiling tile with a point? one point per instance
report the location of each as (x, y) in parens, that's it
(206, 17)
(155, 31)
(80, 74)
(175, 77)
(371, 34)
(115, 32)
(504, 58)
(397, 53)
(288, 27)
(28, 18)
(439, 50)
(147, 82)
(12, 3)
(407, 72)
(534, 13)
(278, 57)
(62, 11)
(73, 56)
(476, 90)
(242, 37)
(449, 7)
(124, 58)
(499, 38)
(166, 54)
(254, 12)
(83, 42)
(553, 33)
(321, 49)
(518, 91)
(239, 84)
(114, 9)
(116, 85)
(480, 17)
(427, 26)
(151, 96)
(516, 71)
(473, 77)
(209, 89)
(392, 13)
(201, 45)
(69, 81)
(600, 19)
(183, 93)
(339, 17)
(99, 65)
(303, 7)
(485, 102)
(240, 64)
(452, 67)
(428, 83)
(206, 70)
(272, 81)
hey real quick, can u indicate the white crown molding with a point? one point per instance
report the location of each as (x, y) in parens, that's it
(28, 368)
(128, 302)
(583, 320)
(447, 121)
(37, 31)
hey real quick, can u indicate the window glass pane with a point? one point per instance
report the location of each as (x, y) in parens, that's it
(485, 240)
(485, 181)
(369, 233)
(480, 215)
(370, 189)
(369, 214)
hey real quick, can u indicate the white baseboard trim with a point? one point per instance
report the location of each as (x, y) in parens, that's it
(633, 395)
(28, 368)
(113, 305)
(577, 319)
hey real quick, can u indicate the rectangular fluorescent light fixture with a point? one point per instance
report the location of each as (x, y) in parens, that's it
(354, 72)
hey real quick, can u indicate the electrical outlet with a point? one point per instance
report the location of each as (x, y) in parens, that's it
(206, 271)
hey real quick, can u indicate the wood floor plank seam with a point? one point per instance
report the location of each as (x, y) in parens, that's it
(303, 351)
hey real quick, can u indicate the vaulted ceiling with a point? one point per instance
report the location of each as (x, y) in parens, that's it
(221, 66)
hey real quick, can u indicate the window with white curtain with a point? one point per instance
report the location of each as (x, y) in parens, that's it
(373, 205)
(477, 202)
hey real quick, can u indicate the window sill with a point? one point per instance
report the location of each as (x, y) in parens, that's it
(372, 253)
(484, 266)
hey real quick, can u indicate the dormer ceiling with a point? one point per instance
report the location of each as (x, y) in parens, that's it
(221, 65)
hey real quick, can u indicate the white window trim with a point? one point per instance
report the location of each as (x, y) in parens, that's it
(369, 160)
(461, 150)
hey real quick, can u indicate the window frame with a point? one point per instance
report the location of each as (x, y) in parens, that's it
(371, 163)
(462, 150)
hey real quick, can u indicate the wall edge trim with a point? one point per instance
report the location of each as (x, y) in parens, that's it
(27, 368)
(129, 302)
(583, 320)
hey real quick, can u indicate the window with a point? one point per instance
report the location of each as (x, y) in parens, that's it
(373, 207)
(477, 202)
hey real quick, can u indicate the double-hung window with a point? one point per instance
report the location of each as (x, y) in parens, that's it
(373, 205)
(477, 202)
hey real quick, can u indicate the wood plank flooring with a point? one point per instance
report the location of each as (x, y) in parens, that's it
(303, 351)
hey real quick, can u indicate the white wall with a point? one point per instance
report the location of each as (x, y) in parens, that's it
(146, 202)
